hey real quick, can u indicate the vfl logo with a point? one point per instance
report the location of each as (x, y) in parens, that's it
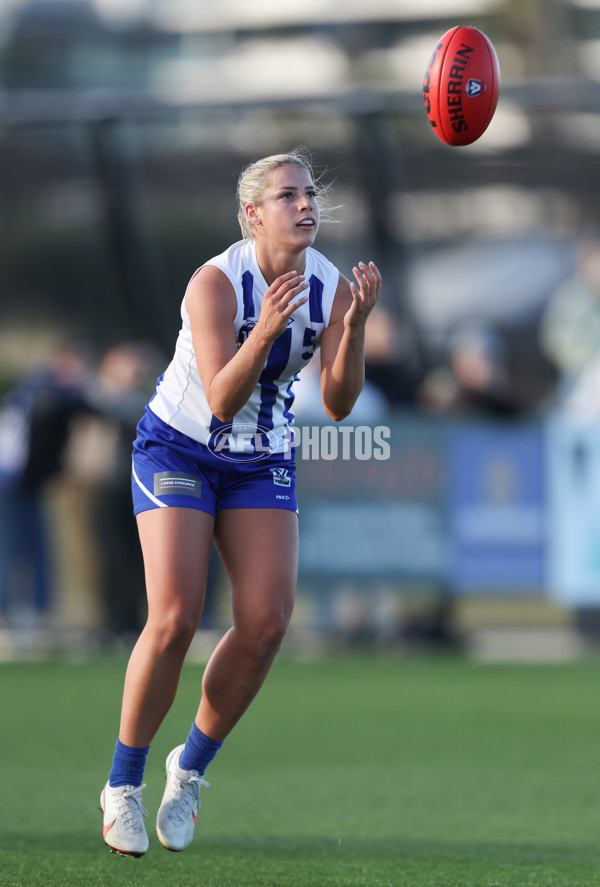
(245, 331)
(281, 477)
(247, 328)
(474, 87)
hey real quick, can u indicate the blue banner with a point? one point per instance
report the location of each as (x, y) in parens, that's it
(496, 509)
(372, 501)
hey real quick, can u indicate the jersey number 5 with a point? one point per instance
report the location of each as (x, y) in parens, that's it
(309, 342)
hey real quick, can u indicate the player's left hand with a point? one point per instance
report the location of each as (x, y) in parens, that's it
(365, 293)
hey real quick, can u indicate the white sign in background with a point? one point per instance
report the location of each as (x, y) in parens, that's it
(573, 461)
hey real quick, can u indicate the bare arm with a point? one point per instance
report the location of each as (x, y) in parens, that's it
(343, 341)
(229, 374)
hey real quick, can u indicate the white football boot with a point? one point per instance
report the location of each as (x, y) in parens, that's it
(123, 828)
(177, 814)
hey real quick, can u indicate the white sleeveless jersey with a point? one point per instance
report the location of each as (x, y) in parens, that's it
(180, 399)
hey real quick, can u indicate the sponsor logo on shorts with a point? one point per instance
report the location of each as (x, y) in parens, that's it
(168, 482)
(281, 477)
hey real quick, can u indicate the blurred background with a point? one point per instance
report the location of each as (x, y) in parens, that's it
(123, 127)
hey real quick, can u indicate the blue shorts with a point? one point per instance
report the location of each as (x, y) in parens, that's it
(169, 468)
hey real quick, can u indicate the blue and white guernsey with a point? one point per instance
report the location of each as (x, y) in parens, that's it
(180, 399)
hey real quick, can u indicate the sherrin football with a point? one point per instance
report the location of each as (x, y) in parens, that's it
(461, 85)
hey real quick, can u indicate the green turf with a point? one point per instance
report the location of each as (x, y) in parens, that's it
(371, 771)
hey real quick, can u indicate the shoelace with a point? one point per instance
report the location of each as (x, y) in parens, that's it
(131, 808)
(189, 797)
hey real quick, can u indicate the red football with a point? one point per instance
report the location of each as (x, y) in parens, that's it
(461, 85)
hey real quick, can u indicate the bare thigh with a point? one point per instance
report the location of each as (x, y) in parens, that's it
(259, 550)
(176, 546)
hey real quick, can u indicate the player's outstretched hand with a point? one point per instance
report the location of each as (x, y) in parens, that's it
(365, 293)
(279, 303)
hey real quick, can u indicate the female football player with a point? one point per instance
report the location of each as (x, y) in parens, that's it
(212, 459)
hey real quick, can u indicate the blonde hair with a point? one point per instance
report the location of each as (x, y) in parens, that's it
(253, 181)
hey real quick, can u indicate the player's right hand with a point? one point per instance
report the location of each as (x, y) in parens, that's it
(279, 303)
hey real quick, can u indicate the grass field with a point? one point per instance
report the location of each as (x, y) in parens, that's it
(348, 771)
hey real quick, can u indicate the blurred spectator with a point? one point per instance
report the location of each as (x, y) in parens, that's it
(570, 326)
(126, 374)
(36, 420)
(387, 365)
(475, 380)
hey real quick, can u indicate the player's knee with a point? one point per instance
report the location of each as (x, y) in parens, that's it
(268, 637)
(173, 629)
